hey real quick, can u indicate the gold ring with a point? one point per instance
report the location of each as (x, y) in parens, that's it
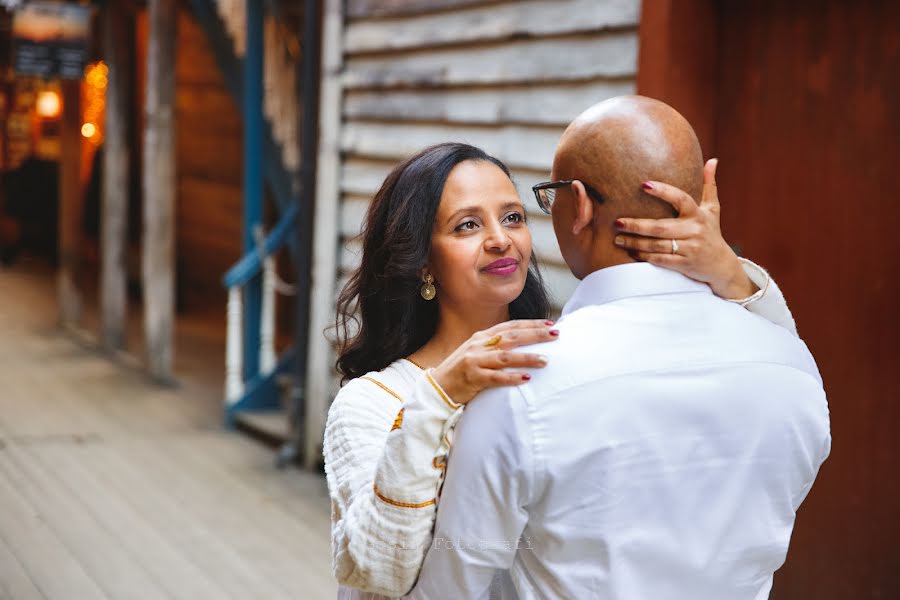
(494, 341)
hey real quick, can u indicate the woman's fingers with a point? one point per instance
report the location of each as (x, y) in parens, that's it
(490, 378)
(509, 359)
(647, 227)
(483, 360)
(669, 261)
(518, 324)
(520, 332)
(677, 229)
(524, 337)
(643, 244)
(710, 191)
(683, 204)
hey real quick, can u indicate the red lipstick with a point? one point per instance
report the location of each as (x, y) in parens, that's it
(503, 266)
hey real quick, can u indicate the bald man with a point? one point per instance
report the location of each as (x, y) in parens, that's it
(665, 449)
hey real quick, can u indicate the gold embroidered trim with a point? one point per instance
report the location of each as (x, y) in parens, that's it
(398, 421)
(415, 363)
(400, 504)
(441, 393)
(384, 387)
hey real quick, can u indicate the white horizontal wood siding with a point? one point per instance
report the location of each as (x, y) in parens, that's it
(505, 76)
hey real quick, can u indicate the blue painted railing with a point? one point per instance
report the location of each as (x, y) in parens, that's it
(258, 391)
(250, 265)
(253, 387)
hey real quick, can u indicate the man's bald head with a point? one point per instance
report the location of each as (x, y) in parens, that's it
(616, 145)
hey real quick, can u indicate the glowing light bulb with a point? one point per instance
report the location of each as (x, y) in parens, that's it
(88, 130)
(48, 104)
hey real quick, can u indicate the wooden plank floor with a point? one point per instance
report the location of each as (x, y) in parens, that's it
(113, 487)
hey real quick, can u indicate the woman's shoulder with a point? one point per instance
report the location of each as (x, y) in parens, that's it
(395, 382)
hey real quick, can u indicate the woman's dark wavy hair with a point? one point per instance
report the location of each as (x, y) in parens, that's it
(381, 301)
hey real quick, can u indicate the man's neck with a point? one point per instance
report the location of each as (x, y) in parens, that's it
(608, 258)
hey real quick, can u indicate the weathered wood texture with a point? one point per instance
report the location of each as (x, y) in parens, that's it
(146, 498)
(117, 23)
(505, 76)
(320, 386)
(527, 19)
(376, 8)
(537, 61)
(808, 116)
(159, 185)
(209, 151)
(679, 61)
(551, 105)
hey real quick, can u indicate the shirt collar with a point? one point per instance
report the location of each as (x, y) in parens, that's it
(628, 281)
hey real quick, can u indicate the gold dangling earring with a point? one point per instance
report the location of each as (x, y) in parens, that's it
(428, 292)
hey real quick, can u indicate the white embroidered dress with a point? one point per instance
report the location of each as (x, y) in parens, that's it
(386, 440)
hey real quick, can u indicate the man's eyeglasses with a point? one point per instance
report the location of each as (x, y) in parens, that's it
(546, 192)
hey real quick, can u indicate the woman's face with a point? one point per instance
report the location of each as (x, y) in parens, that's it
(481, 246)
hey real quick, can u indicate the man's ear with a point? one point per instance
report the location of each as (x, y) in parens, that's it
(584, 208)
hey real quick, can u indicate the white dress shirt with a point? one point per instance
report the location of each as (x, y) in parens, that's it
(385, 444)
(662, 453)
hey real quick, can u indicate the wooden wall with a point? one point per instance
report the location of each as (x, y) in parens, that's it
(209, 173)
(808, 118)
(801, 103)
(505, 76)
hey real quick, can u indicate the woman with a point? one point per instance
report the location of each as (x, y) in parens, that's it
(447, 287)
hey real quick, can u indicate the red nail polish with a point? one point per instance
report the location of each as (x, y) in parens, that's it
(554, 332)
(647, 185)
(620, 224)
(549, 322)
(526, 377)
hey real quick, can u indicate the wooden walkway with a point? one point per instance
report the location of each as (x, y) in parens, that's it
(112, 487)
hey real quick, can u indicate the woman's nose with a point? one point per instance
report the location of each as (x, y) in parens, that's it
(497, 239)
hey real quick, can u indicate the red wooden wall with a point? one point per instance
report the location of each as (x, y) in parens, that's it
(801, 103)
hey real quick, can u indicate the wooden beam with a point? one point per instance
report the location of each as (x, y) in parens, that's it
(517, 62)
(309, 92)
(70, 205)
(383, 8)
(558, 104)
(678, 61)
(320, 357)
(492, 23)
(116, 175)
(158, 259)
(517, 146)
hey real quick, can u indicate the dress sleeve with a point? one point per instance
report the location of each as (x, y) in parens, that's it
(768, 302)
(384, 461)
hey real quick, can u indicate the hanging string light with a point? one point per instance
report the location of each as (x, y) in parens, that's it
(93, 94)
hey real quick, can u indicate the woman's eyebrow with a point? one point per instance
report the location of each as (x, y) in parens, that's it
(476, 208)
(466, 209)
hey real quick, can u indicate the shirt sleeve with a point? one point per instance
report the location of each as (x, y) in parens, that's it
(483, 508)
(768, 302)
(384, 457)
